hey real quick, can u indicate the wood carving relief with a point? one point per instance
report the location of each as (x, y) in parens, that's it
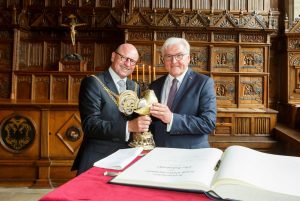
(252, 60)
(70, 133)
(294, 44)
(253, 37)
(145, 53)
(199, 58)
(224, 59)
(225, 88)
(251, 90)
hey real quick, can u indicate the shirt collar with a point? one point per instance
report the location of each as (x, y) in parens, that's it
(115, 76)
(179, 78)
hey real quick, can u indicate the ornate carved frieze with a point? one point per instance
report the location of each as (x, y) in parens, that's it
(165, 35)
(140, 36)
(294, 59)
(253, 38)
(226, 37)
(196, 36)
(196, 19)
(294, 43)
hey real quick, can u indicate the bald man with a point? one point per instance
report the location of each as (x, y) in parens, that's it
(105, 128)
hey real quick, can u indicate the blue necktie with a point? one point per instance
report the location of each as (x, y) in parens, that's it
(172, 92)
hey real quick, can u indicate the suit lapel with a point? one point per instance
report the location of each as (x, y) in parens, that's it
(158, 91)
(109, 82)
(187, 80)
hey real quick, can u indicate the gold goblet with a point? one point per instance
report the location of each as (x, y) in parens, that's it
(129, 103)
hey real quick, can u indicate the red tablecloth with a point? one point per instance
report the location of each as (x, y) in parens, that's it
(92, 185)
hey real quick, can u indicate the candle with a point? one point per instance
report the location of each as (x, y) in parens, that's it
(149, 74)
(143, 73)
(154, 73)
(137, 73)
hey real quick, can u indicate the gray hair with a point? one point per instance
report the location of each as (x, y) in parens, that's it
(175, 41)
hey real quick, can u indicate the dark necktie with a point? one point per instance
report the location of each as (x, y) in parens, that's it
(122, 86)
(172, 92)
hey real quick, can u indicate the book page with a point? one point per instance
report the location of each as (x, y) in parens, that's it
(120, 159)
(247, 167)
(191, 169)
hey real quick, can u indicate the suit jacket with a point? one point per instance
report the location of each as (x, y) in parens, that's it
(194, 113)
(104, 126)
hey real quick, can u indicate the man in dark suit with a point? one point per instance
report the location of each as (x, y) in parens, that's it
(186, 114)
(105, 128)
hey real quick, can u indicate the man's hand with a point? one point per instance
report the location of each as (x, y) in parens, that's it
(140, 124)
(161, 112)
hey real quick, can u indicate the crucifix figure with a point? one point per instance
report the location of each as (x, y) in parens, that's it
(72, 26)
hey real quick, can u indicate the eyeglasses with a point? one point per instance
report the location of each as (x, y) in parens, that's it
(123, 58)
(177, 57)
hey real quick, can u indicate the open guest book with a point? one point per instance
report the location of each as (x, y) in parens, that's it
(239, 173)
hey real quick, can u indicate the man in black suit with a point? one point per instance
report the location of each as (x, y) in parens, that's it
(105, 128)
(186, 114)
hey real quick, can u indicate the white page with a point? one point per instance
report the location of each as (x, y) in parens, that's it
(120, 159)
(274, 173)
(191, 169)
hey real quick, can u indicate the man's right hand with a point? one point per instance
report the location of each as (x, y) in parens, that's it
(140, 124)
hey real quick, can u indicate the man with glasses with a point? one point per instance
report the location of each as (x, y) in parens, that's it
(186, 114)
(105, 128)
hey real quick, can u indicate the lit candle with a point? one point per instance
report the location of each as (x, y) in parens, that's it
(154, 73)
(137, 73)
(149, 74)
(143, 73)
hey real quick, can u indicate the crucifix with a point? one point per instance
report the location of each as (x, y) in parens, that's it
(73, 24)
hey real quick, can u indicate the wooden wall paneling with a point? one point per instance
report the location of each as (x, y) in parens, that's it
(226, 91)
(200, 58)
(6, 50)
(64, 142)
(43, 164)
(252, 92)
(103, 53)
(5, 85)
(24, 86)
(86, 50)
(51, 55)
(224, 59)
(17, 161)
(59, 90)
(75, 81)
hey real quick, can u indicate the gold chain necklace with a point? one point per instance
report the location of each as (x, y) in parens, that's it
(111, 94)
